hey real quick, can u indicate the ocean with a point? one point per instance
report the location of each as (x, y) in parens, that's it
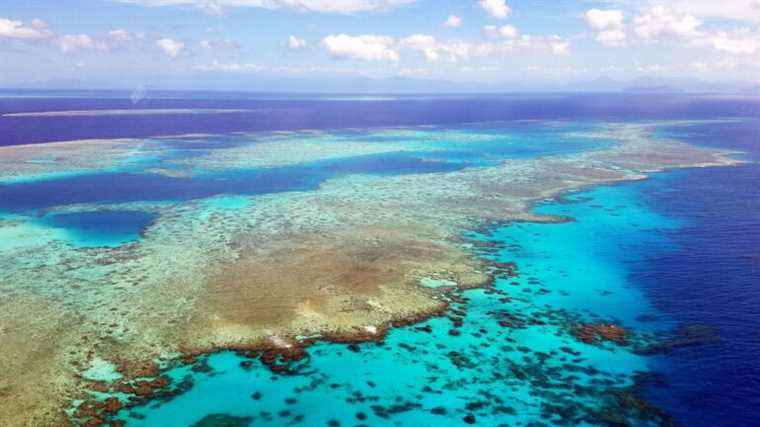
(674, 258)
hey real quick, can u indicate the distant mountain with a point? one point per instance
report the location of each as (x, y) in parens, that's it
(70, 84)
(208, 81)
(334, 85)
(652, 89)
(649, 84)
(601, 84)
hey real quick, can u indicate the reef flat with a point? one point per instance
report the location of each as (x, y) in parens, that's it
(342, 258)
(27, 162)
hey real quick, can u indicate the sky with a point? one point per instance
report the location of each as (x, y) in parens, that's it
(198, 43)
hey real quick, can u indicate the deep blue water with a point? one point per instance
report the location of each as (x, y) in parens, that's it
(710, 278)
(315, 112)
(122, 187)
(102, 228)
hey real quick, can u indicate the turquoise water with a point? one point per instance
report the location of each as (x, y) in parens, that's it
(533, 370)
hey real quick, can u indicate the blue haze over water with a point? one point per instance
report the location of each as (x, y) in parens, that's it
(681, 248)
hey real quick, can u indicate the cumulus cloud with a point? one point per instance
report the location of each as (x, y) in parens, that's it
(673, 20)
(452, 21)
(506, 31)
(171, 48)
(559, 46)
(363, 48)
(414, 72)
(424, 43)
(456, 51)
(608, 24)
(496, 8)
(433, 49)
(217, 66)
(113, 40)
(604, 19)
(553, 44)
(38, 33)
(660, 21)
(212, 8)
(11, 29)
(740, 42)
(653, 68)
(611, 37)
(219, 44)
(739, 10)
(122, 35)
(252, 68)
(80, 42)
(216, 7)
(296, 43)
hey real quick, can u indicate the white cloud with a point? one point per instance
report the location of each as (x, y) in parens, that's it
(609, 26)
(296, 43)
(172, 48)
(456, 51)
(452, 21)
(18, 30)
(364, 47)
(432, 49)
(483, 69)
(424, 43)
(604, 19)
(115, 39)
(506, 31)
(553, 44)
(216, 7)
(216, 66)
(700, 66)
(76, 42)
(496, 8)
(659, 21)
(740, 42)
(611, 37)
(39, 24)
(739, 10)
(559, 46)
(653, 68)
(219, 44)
(212, 8)
(415, 72)
(122, 35)
(39, 32)
(251, 68)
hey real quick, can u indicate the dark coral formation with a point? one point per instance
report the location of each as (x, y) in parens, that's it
(223, 420)
(683, 336)
(596, 333)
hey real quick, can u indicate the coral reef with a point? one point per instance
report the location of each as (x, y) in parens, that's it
(343, 262)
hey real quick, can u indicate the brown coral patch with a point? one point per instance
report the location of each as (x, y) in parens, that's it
(338, 286)
(596, 333)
